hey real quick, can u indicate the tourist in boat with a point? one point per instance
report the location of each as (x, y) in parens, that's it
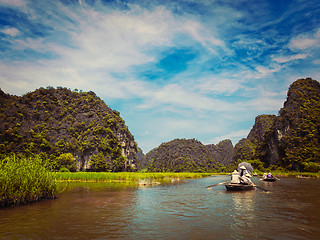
(244, 176)
(245, 179)
(269, 175)
(243, 171)
(235, 177)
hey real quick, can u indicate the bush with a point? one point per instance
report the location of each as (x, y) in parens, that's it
(64, 169)
(311, 166)
(67, 161)
(24, 180)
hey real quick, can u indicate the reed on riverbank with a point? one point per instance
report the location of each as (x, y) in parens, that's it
(297, 174)
(122, 176)
(24, 180)
(292, 174)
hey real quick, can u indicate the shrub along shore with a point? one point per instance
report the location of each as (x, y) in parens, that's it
(24, 180)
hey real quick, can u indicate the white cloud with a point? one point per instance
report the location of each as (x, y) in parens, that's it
(219, 85)
(179, 97)
(305, 41)
(291, 58)
(234, 136)
(11, 31)
(264, 71)
(14, 3)
(29, 43)
(201, 34)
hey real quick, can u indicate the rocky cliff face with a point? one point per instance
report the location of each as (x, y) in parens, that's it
(290, 140)
(293, 141)
(246, 148)
(222, 152)
(54, 122)
(141, 160)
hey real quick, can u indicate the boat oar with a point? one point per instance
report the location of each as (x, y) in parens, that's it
(261, 188)
(216, 184)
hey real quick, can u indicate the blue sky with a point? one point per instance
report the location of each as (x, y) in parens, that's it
(173, 69)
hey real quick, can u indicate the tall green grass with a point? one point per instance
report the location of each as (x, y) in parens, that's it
(297, 174)
(122, 176)
(24, 180)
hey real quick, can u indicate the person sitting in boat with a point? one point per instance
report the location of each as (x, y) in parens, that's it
(269, 175)
(245, 179)
(243, 171)
(244, 176)
(235, 177)
(264, 176)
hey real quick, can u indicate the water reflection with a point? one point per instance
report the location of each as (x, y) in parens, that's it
(182, 210)
(84, 212)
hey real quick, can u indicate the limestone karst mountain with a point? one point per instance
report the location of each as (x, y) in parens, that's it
(75, 130)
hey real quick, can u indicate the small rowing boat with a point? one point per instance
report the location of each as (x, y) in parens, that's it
(239, 186)
(269, 179)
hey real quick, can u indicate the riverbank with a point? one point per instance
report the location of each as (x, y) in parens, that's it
(24, 180)
(298, 174)
(124, 176)
(293, 174)
(163, 176)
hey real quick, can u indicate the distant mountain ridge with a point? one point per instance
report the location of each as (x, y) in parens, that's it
(77, 128)
(290, 140)
(189, 155)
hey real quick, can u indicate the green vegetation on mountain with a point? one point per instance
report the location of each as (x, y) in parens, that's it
(182, 155)
(246, 149)
(291, 140)
(78, 131)
(75, 130)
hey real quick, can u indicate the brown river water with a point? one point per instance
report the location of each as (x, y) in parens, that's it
(183, 210)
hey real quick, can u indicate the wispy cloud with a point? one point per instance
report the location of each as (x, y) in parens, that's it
(197, 69)
(234, 136)
(14, 3)
(305, 41)
(285, 59)
(10, 31)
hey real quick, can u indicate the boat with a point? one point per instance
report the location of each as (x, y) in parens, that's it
(268, 177)
(272, 179)
(239, 186)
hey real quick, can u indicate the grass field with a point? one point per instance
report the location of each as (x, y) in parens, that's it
(123, 176)
(136, 176)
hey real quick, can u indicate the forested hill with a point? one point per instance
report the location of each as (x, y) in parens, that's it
(75, 130)
(288, 141)
(189, 155)
(292, 139)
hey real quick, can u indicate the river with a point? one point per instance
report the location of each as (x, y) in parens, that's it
(180, 210)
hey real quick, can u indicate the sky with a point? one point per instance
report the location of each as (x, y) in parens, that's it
(173, 69)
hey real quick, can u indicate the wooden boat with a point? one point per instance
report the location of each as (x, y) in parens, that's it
(269, 179)
(239, 186)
